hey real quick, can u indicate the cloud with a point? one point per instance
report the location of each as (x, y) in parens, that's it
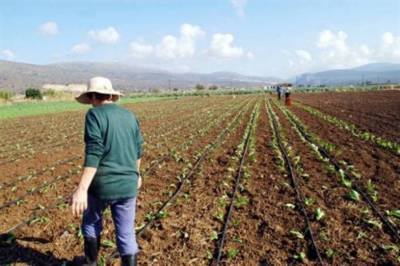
(139, 50)
(81, 48)
(182, 46)
(222, 47)
(239, 6)
(49, 28)
(336, 53)
(304, 56)
(107, 36)
(7, 54)
(390, 47)
(171, 47)
(387, 38)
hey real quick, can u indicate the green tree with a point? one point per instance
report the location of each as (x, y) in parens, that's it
(32, 93)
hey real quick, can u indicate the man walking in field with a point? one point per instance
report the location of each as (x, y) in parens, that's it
(111, 171)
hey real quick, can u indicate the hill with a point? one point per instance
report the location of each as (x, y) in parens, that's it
(17, 77)
(370, 73)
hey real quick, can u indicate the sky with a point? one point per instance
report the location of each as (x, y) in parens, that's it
(281, 38)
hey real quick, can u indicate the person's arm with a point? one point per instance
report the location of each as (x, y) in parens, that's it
(79, 198)
(139, 143)
(140, 176)
(94, 149)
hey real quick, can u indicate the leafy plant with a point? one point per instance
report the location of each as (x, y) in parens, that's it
(330, 253)
(300, 256)
(241, 201)
(232, 252)
(353, 195)
(374, 223)
(319, 214)
(214, 235)
(309, 201)
(394, 213)
(219, 216)
(108, 243)
(297, 234)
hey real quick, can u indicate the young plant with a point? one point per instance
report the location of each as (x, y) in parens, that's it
(232, 252)
(319, 214)
(394, 213)
(297, 234)
(353, 195)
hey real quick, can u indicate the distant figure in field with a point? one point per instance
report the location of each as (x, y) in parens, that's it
(111, 174)
(288, 91)
(279, 92)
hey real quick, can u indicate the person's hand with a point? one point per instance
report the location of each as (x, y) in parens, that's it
(139, 184)
(79, 202)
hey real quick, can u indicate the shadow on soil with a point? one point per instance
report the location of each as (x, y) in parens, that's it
(11, 252)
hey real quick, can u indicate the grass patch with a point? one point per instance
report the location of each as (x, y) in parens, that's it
(39, 108)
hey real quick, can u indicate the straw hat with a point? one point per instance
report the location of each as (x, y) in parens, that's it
(100, 85)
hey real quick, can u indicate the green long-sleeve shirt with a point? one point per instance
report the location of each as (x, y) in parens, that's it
(113, 145)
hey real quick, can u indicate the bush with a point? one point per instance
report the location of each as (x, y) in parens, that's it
(50, 92)
(200, 87)
(213, 88)
(33, 94)
(5, 95)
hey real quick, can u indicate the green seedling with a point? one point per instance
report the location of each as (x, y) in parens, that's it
(345, 182)
(309, 201)
(319, 214)
(361, 235)
(388, 248)
(149, 217)
(219, 216)
(323, 236)
(208, 255)
(162, 215)
(353, 195)
(330, 253)
(241, 201)
(214, 235)
(108, 243)
(371, 190)
(394, 213)
(232, 252)
(297, 234)
(235, 223)
(374, 223)
(300, 256)
(237, 239)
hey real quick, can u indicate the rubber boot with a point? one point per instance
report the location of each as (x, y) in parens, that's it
(129, 260)
(91, 246)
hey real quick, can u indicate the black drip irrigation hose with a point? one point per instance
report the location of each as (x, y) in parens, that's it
(393, 232)
(239, 173)
(197, 163)
(299, 196)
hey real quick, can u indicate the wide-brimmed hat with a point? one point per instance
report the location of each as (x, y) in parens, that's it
(100, 85)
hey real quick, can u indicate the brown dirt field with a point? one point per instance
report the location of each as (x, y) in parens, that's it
(377, 111)
(258, 230)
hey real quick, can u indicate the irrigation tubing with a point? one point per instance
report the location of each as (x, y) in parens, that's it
(239, 173)
(299, 196)
(394, 233)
